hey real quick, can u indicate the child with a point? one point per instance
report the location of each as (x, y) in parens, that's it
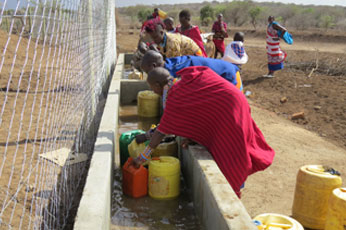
(142, 48)
(235, 52)
(169, 24)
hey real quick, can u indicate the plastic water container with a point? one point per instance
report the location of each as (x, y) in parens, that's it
(124, 140)
(163, 149)
(162, 14)
(136, 75)
(272, 221)
(164, 177)
(135, 181)
(135, 149)
(314, 186)
(166, 149)
(336, 215)
(148, 104)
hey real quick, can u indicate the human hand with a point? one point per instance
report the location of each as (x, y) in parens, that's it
(140, 138)
(136, 163)
(186, 142)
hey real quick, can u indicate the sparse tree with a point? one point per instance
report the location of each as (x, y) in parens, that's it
(236, 12)
(219, 9)
(255, 13)
(288, 12)
(327, 22)
(206, 15)
(132, 12)
(143, 14)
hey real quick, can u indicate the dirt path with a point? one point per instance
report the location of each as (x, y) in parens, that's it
(298, 45)
(273, 189)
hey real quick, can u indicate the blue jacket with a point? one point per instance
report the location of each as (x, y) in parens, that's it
(224, 69)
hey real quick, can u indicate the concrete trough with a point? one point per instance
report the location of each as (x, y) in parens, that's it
(215, 203)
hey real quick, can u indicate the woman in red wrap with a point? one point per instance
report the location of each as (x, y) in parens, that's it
(189, 30)
(208, 109)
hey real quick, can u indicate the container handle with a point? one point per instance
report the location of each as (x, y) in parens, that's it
(332, 171)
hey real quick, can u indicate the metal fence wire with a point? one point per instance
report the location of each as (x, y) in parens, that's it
(56, 59)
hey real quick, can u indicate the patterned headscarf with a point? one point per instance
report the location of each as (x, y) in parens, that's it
(151, 24)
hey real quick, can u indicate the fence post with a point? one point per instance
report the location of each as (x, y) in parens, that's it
(91, 57)
(89, 122)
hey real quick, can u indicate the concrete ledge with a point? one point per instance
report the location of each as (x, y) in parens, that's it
(95, 206)
(216, 204)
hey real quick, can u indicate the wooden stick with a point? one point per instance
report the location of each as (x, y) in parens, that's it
(316, 67)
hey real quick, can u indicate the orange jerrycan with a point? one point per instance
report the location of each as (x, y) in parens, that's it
(135, 181)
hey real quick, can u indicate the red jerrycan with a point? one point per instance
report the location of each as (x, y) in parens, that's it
(135, 181)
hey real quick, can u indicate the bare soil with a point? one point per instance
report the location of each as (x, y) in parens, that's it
(31, 98)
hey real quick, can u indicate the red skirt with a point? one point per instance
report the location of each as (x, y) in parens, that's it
(219, 45)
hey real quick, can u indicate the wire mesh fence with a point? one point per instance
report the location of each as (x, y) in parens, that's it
(56, 58)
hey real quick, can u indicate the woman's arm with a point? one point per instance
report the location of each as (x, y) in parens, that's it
(224, 30)
(279, 27)
(156, 139)
(144, 156)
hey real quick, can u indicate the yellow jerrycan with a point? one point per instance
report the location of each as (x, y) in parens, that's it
(168, 147)
(336, 215)
(272, 221)
(162, 14)
(164, 177)
(314, 186)
(135, 149)
(148, 104)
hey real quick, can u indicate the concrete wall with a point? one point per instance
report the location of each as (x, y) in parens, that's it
(130, 89)
(127, 59)
(216, 205)
(95, 206)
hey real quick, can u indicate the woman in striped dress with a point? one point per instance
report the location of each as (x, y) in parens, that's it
(276, 56)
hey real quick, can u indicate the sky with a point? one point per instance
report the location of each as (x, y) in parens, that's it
(120, 3)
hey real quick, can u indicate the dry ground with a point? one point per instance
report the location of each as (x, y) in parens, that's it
(29, 108)
(322, 98)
